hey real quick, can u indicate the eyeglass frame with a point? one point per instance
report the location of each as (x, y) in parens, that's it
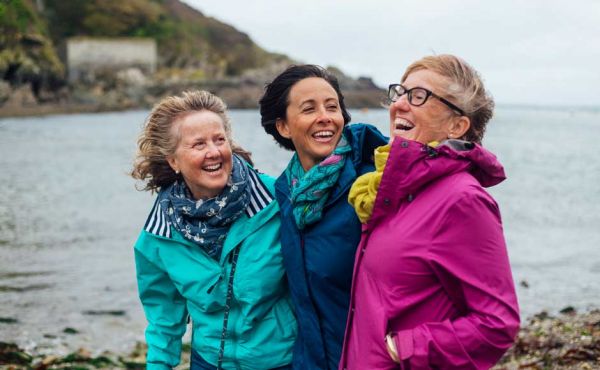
(428, 93)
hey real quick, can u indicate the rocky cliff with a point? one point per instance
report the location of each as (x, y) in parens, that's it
(194, 52)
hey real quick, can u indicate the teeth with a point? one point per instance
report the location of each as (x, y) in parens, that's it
(402, 124)
(213, 167)
(323, 134)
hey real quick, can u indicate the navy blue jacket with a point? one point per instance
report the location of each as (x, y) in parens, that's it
(319, 260)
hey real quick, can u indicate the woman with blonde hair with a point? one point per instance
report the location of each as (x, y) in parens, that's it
(210, 247)
(432, 286)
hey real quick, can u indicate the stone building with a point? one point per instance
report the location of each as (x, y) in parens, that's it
(85, 56)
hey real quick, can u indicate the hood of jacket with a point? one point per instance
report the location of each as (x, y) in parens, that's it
(411, 166)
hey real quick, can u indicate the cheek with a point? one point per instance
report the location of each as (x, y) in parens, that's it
(392, 114)
(392, 111)
(227, 155)
(227, 151)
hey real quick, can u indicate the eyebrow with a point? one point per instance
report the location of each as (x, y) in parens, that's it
(312, 101)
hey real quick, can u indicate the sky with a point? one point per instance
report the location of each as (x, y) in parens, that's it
(529, 52)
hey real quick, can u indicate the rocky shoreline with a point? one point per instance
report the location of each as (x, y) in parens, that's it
(569, 340)
(131, 89)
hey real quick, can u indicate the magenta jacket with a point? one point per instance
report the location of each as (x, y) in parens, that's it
(432, 266)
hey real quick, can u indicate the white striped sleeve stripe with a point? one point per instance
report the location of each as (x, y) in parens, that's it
(262, 189)
(260, 197)
(157, 224)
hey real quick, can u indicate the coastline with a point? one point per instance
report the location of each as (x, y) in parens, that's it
(356, 100)
(51, 109)
(569, 340)
(113, 95)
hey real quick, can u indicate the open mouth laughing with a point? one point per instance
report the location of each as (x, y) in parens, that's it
(323, 136)
(213, 167)
(403, 125)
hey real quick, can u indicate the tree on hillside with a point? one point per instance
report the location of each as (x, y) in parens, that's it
(26, 53)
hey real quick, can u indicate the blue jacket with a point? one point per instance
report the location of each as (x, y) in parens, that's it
(319, 260)
(177, 278)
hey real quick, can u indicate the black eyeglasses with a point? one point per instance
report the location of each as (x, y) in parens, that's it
(417, 96)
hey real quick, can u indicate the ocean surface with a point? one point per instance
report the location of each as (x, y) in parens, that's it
(69, 215)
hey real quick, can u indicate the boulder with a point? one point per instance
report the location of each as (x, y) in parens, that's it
(21, 96)
(5, 91)
(132, 77)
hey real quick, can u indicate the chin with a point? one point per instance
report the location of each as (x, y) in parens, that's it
(324, 154)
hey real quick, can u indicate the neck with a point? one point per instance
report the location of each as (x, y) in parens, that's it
(308, 163)
(201, 194)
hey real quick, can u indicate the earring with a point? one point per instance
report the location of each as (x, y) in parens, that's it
(177, 172)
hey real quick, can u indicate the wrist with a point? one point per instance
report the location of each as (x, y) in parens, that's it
(390, 345)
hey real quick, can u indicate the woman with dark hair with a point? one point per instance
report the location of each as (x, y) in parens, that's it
(303, 109)
(432, 285)
(210, 248)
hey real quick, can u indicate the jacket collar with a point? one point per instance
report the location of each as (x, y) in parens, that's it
(412, 165)
(363, 139)
(261, 203)
(347, 177)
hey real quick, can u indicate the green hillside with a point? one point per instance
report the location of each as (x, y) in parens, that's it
(194, 51)
(31, 31)
(186, 38)
(26, 52)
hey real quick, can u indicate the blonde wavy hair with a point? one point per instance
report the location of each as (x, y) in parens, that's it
(158, 140)
(463, 87)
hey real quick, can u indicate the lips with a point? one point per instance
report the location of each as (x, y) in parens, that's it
(213, 167)
(402, 124)
(323, 135)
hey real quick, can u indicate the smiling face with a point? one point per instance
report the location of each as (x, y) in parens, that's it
(432, 121)
(203, 153)
(313, 121)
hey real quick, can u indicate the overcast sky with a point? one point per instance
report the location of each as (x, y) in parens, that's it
(541, 52)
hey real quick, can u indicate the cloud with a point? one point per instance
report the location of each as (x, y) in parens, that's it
(537, 46)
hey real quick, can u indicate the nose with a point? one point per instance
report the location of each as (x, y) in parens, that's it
(212, 150)
(401, 103)
(324, 115)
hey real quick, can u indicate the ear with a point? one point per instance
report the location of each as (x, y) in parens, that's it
(459, 127)
(282, 128)
(173, 163)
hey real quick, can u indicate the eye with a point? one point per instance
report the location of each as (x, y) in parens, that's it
(221, 140)
(332, 107)
(308, 109)
(419, 96)
(199, 145)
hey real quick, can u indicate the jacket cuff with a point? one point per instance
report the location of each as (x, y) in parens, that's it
(404, 344)
(410, 345)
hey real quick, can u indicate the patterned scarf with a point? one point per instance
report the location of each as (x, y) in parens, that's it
(310, 190)
(206, 222)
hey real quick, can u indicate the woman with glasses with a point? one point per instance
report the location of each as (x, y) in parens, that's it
(303, 109)
(432, 285)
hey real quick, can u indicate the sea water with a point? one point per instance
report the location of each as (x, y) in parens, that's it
(69, 215)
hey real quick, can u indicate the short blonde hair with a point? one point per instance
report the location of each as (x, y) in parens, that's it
(157, 140)
(464, 88)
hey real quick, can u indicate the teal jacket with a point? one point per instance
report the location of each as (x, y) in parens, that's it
(176, 278)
